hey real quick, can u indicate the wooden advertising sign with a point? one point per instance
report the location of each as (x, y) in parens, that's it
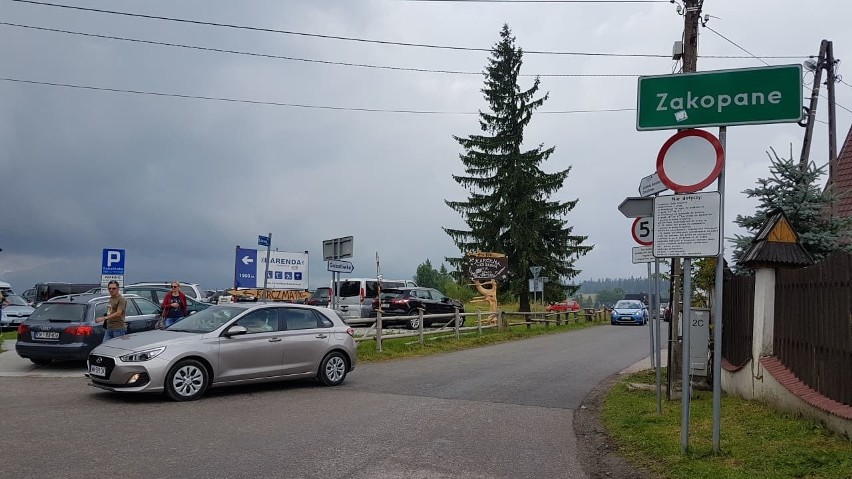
(485, 269)
(487, 266)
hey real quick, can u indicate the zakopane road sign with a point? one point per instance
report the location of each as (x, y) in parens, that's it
(747, 96)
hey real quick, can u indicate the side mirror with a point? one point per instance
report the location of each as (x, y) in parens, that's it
(235, 330)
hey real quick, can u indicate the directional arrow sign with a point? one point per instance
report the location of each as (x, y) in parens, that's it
(651, 185)
(340, 266)
(637, 207)
(246, 260)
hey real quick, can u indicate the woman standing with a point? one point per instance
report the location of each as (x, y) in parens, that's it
(174, 305)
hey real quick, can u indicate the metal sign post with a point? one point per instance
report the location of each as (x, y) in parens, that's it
(333, 250)
(265, 241)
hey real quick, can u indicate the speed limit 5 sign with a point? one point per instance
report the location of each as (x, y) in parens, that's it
(643, 230)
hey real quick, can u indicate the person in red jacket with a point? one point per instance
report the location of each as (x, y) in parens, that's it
(174, 305)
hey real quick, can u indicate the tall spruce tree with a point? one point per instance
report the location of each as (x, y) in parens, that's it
(509, 208)
(794, 190)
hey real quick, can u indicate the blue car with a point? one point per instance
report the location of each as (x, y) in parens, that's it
(629, 311)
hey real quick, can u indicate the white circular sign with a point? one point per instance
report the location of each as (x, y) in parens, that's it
(643, 230)
(690, 160)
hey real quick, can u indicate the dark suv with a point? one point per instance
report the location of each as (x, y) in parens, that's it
(64, 328)
(408, 301)
(320, 297)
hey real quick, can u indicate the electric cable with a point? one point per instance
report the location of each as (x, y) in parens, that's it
(363, 40)
(306, 60)
(284, 104)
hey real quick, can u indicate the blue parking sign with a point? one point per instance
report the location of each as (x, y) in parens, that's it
(112, 261)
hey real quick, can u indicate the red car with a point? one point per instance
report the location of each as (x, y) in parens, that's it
(569, 305)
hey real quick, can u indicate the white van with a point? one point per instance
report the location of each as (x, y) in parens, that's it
(355, 295)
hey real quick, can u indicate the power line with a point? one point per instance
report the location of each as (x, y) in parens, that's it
(543, 1)
(761, 59)
(363, 40)
(283, 104)
(307, 60)
(735, 44)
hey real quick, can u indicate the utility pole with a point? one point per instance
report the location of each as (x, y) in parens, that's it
(812, 108)
(691, 19)
(830, 79)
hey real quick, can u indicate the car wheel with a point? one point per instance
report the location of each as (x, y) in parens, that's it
(187, 380)
(41, 361)
(413, 323)
(332, 369)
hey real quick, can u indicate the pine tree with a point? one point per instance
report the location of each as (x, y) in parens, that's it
(509, 208)
(795, 191)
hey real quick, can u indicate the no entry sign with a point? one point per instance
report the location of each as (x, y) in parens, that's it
(690, 160)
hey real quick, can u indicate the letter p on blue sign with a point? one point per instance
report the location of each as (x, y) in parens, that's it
(112, 261)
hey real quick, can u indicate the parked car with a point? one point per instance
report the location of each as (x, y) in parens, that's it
(407, 302)
(629, 311)
(355, 295)
(14, 312)
(50, 290)
(320, 297)
(29, 296)
(191, 290)
(563, 307)
(228, 344)
(64, 328)
(156, 294)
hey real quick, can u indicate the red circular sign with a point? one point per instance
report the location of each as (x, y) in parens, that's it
(643, 230)
(690, 160)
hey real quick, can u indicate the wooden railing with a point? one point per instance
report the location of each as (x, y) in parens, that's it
(376, 331)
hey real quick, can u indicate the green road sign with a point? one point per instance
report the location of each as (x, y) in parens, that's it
(747, 96)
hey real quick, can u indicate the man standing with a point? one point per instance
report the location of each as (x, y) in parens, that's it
(114, 324)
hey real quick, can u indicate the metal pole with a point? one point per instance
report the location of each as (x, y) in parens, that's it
(657, 345)
(651, 308)
(830, 79)
(717, 303)
(687, 366)
(812, 109)
(266, 273)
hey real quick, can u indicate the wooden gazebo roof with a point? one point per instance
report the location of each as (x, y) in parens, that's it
(776, 245)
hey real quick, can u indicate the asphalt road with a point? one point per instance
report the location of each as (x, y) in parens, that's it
(502, 411)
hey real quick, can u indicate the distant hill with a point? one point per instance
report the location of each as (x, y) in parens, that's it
(628, 285)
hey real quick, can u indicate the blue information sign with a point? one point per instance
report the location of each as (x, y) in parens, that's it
(246, 269)
(112, 261)
(263, 240)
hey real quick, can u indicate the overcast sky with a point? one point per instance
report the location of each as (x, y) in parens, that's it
(178, 183)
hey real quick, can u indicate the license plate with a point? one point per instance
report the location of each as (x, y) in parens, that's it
(45, 335)
(97, 370)
(386, 305)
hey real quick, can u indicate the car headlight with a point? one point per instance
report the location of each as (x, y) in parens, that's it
(140, 356)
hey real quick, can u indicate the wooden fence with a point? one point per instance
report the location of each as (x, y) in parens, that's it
(813, 325)
(737, 319)
(376, 331)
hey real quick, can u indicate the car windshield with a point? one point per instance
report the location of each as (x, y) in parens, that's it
(206, 320)
(59, 312)
(15, 300)
(628, 305)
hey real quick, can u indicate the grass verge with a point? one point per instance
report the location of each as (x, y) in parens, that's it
(757, 441)
(443, 343)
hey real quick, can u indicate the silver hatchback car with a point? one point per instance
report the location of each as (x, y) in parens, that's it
(226, 345)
